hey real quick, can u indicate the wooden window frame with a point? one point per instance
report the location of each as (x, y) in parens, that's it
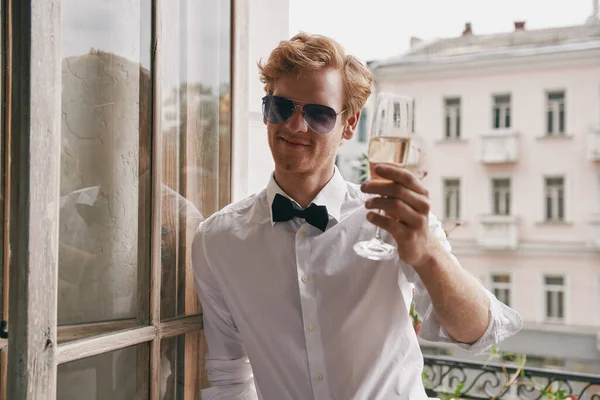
(37, 345)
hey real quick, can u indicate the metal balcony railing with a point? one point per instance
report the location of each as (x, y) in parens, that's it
(446, 377)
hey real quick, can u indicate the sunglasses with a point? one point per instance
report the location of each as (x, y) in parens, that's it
(318, 117)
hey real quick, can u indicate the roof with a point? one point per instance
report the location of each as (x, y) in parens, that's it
(519, 42)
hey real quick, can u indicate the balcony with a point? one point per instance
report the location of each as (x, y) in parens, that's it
(594, 143)
(498, 232)
(499, 146)
(446, 377)
(595, 231)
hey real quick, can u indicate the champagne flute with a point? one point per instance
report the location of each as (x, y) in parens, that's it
(389, 143)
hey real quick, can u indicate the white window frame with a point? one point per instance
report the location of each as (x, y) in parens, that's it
(554, 192)
(502, 286)
(504, 110)
(457, 205)
(555, 289)
(362, 129)
(452, 111)
(503, 193)
(555, 106)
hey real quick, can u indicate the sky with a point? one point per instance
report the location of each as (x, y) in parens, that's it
(374, 29)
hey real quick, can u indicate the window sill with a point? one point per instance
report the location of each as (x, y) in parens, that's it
(451, 140)
(554, 223)
(500, 132)
(564, 136)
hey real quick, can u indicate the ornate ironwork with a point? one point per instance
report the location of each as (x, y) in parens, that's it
(445, 376)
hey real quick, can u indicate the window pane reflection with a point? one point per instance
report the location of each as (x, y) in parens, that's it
(119, 375)
(196, 98)
(182, 367)
(104, 185)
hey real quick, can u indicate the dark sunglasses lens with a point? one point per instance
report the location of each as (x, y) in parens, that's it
(321, 119)
(277, 109)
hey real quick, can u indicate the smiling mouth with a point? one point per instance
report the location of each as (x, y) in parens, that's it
(293, 143)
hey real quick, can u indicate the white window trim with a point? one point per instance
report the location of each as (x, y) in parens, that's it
(452, 109)
(510, 286)
(555, 116)
(492, 178)
(502, 111)
(461, 199)
(566, 198)
(567, 298)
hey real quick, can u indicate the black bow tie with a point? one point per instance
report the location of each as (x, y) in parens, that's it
(284, 210)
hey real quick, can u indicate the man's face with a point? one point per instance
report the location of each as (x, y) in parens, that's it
(296, 148)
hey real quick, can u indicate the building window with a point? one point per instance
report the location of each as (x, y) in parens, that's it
(554, 288)
(452, 199)
(501, 287)
(555, 199)
(362, 127)
(555, 114)
(501, 196)
(452, 117)
(501, 111)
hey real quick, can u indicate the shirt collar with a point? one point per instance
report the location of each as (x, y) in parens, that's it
(331, 196)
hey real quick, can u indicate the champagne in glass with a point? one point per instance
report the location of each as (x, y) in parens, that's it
(387, 150)
(389, 144)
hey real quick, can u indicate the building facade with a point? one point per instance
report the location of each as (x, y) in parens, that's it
(507, 127)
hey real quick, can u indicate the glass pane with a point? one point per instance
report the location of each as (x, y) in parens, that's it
(196, 137)
(561, 119)
(556, 95)
(105, 175)
(554, 280)
(448, 124)
(501, 278)
(561, 304)
(182, 366)
(549, 309)
(118, 375)
(506, 297)
(496, 117)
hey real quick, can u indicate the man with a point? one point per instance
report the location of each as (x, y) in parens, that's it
(280, 285)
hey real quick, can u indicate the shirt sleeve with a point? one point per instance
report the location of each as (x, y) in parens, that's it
(227, 364)
(504, 322)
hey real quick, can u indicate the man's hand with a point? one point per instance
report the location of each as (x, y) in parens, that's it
(405, 203)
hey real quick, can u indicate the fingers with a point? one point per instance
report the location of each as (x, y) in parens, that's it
(399, 175)
(398, 210)
(417, 202)
(389, 224)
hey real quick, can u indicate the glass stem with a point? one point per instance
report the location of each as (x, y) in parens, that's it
(377, 231)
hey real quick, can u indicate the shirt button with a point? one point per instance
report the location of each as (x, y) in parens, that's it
(305, 278)
(312, 327)
(319, 377)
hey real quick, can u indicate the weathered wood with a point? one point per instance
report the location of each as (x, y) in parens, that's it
(3, 372)
(180, 326)
(35, 152)
(155, 380)
(84, 348)
(67, 333)
(156, 204)
(6, 43)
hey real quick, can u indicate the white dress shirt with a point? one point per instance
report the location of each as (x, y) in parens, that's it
(315, 320)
